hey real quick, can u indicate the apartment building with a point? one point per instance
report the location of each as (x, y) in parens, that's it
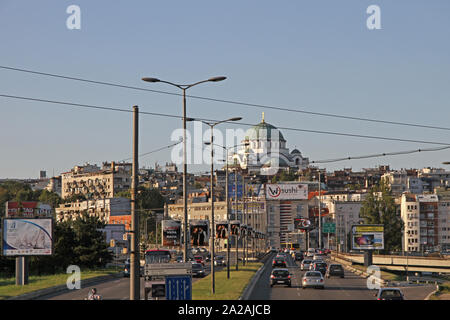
(110, 210)
(426, 218)
(96, 183)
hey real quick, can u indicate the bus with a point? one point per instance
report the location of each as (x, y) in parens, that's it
(154, 256)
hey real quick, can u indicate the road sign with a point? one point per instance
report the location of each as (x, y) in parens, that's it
(329, 227)
(178, 288)
(167, 269)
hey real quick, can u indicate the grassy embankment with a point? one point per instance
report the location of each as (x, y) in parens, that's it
(8, 287)
(225, 289)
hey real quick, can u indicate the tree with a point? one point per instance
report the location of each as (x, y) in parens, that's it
(379, 208)
(91, 249)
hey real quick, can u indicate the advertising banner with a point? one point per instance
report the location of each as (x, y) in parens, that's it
(286, 191)
(171, 232)
(27, 237)
(28, 209)
(199, 230)
(302, 223)
(221, 230)
(235, 227)
(368, 237)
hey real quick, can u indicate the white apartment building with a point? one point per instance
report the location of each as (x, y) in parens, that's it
(426, 219)
(344, 211)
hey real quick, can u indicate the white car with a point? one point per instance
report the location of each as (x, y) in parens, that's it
(305, 264)
(319, 257)
(313, 279)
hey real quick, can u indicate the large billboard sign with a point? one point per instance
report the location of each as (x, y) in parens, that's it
(199, 230)
(171, 232)
(235, 227)
(28, 209)
(221, 230)
(27, 237)
(368, 237)
(286, 191)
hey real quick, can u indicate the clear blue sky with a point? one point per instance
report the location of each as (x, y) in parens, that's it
(310, 55)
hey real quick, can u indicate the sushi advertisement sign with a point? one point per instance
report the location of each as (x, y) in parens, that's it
(27, 237)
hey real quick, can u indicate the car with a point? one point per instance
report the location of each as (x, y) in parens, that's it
(305, 264)
(318, 256)
(335, 270)
(298, 256)
(195, 250)
(126, 269)
(319, 266)
(220, 261)
(279, 262)
(280, 275)
(389, 294)
(273, 249)
(327, 251)
(198, 270)
(199, 259)
(179, 259)
(313, 279)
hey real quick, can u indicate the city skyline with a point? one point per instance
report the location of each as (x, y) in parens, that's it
(302, 56)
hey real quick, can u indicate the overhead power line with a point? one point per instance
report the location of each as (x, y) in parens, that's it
(244, 104)
(381, 155)
(214, 120)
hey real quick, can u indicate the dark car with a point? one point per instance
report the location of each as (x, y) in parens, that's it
(335, 270)
(279, 262)
(280, 275)
(298, 256)
(198, 270)
(389, 294)
(321, 267)
(220, 261)
(126, 270)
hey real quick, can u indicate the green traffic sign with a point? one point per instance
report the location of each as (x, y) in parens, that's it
(329, 227)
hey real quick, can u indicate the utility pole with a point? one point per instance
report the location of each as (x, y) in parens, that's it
(135, 290)
(236, 217)
(320, 215)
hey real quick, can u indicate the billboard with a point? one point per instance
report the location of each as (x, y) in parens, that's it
(221, 230)
(235, 227)
(286, 191)
(28, 209)
(368, 237)
(302, 224)
(199, 230)
(171, 230)
(27, 237)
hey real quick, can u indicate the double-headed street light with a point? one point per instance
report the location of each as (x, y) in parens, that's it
(184, 88)
(212, 239)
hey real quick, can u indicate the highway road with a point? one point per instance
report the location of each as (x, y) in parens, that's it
(117, 289)
(351, 287)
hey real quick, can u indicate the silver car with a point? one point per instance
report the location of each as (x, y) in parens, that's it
(313, 279)
(305, 264)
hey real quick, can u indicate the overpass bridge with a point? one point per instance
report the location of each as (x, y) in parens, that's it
(401, 263)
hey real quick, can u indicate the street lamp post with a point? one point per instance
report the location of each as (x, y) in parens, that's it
(184, 88)
(212, 238)
(227, 197)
